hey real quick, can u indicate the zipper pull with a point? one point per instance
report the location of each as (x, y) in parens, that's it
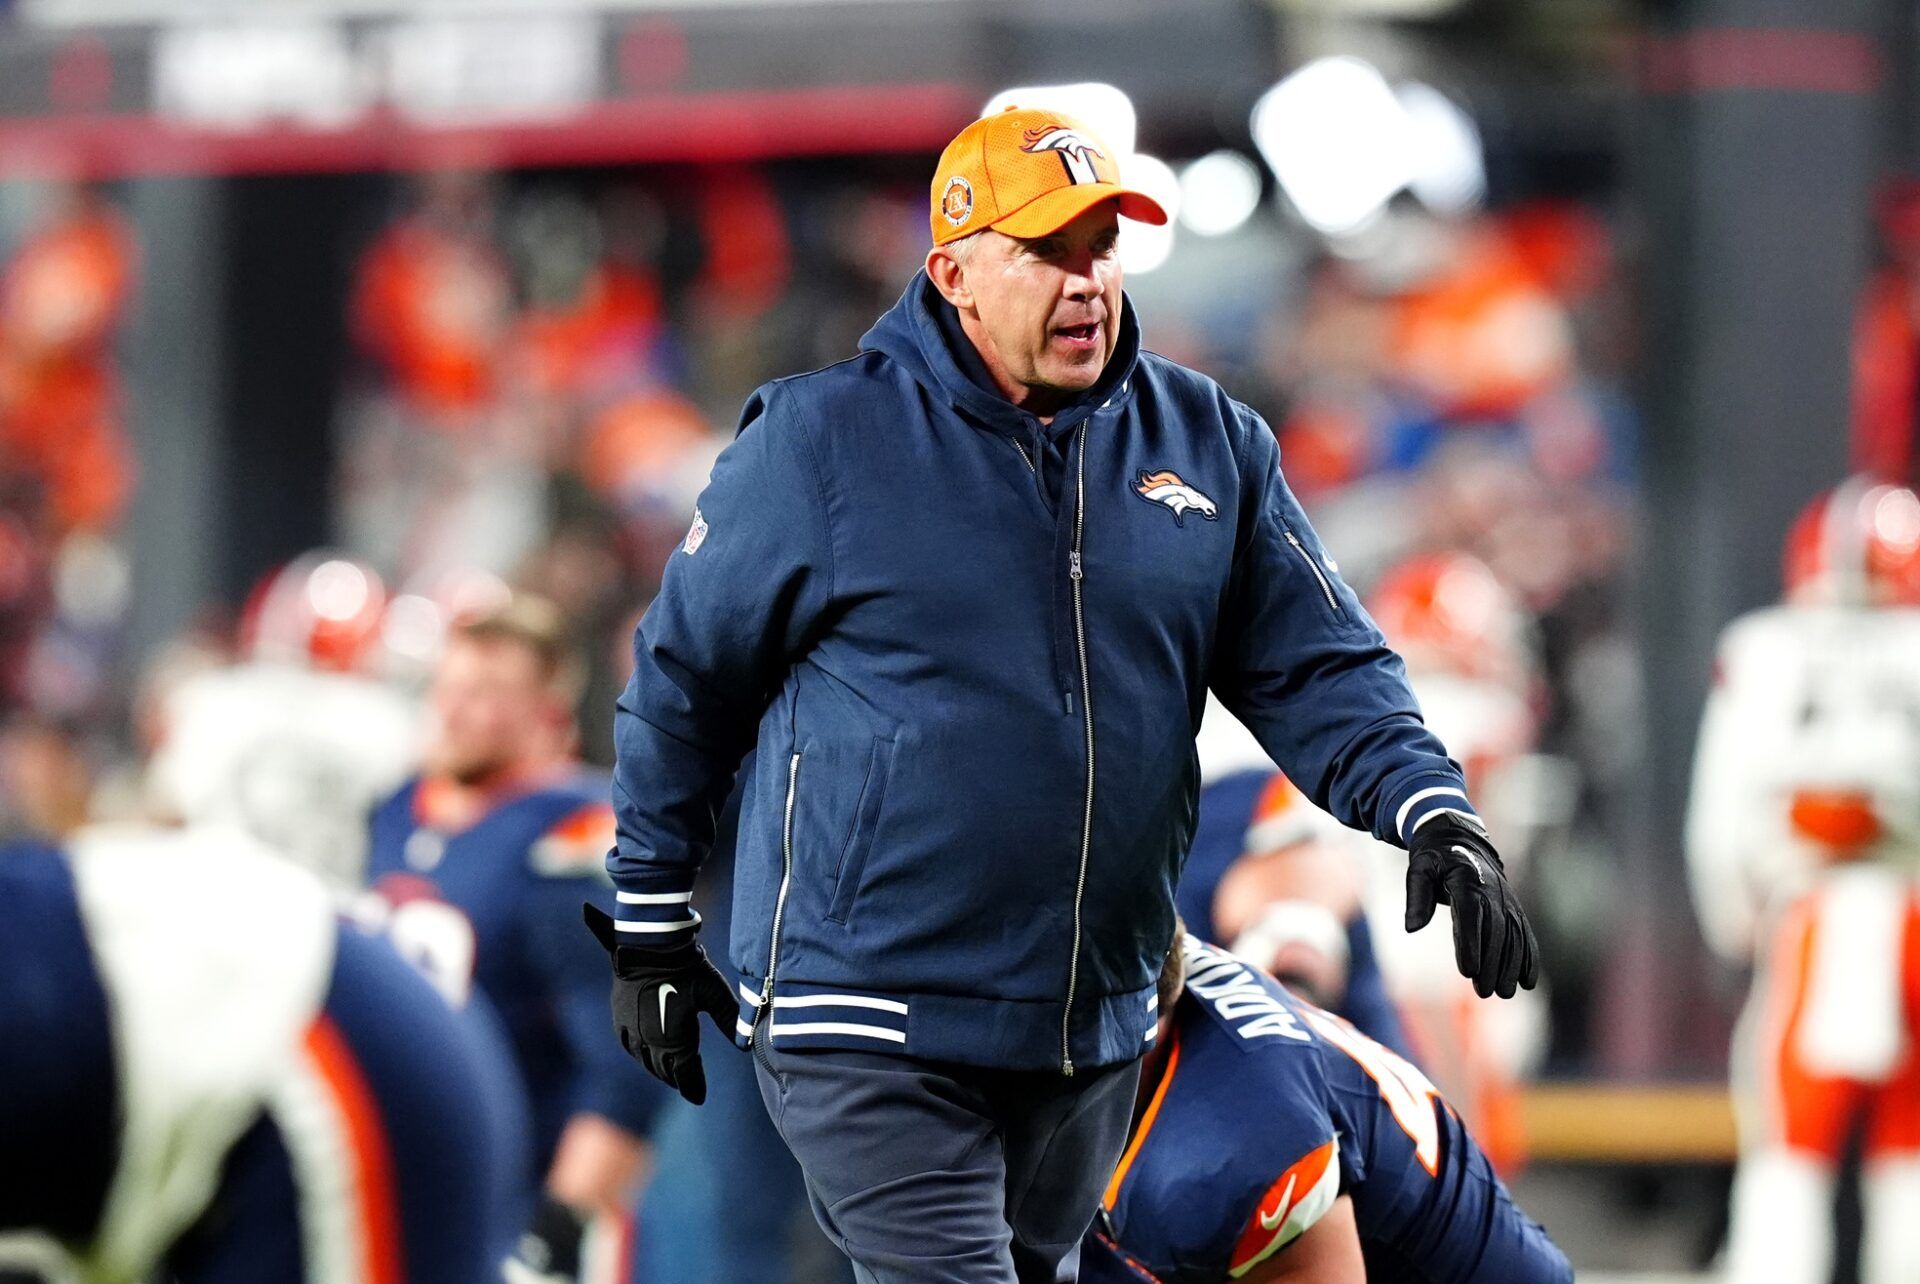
(1073, 565)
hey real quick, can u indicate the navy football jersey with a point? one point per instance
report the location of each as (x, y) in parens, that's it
(59, 1082)
(192, 1086)
(497, 903)
(1267, 1110)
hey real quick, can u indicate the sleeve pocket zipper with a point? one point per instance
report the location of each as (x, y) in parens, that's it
(1320, 576)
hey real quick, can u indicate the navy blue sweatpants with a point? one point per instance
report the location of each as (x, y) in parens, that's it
(930, 1173)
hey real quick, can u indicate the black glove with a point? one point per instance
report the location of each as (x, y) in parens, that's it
(549, 1249)
(1452, 863)
(658, 995)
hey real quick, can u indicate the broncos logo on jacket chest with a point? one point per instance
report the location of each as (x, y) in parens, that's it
(1166, 489)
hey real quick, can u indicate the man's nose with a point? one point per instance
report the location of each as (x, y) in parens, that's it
(1081, 283)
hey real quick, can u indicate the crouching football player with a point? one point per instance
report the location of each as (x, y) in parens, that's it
(1274, 1142)
(204, 1073)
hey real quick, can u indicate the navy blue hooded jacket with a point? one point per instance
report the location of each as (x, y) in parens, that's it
(973, 684)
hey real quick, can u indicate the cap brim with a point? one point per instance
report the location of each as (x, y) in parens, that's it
(1051, 211)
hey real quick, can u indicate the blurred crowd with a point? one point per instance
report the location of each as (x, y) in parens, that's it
(66, 472)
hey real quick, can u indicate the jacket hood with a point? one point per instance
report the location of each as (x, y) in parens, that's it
(910, 333)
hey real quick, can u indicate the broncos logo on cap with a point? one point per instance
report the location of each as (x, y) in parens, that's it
(1166, 488)
(1071, 146)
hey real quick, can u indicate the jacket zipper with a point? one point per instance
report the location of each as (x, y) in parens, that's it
(1075, 572)
(780, 901)
(1333, 603)
(1067, 693)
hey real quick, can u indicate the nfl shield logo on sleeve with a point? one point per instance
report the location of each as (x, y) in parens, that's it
(696, 534)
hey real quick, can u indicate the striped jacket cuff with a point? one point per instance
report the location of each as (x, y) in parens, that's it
(655, 913)
(1425, 799)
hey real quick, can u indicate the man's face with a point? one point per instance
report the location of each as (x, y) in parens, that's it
(1046, 312)
(493, 712)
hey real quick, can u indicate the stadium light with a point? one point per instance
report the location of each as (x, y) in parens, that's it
(414, 629)
(1218, 193)
(1449, 167)
(1896, 520)
(1336, 137)
(1144, 247)
(1103, 108)
(338, 590)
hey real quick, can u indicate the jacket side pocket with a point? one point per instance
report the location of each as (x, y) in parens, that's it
(866, 820)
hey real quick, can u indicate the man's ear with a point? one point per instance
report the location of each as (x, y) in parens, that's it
(949, 277)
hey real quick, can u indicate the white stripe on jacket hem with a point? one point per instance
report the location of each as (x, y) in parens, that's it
(840, 1027)
(839, 1001)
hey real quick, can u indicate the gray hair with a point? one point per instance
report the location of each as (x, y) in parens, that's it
(962, 249)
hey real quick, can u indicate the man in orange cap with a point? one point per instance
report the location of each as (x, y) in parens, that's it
(963, 595)
(1015, 194)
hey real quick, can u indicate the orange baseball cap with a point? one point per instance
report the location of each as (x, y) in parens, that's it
(1027, 173)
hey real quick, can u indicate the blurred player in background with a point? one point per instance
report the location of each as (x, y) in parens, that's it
(297, 742)
(1803, 837)
(1273, 1141)
(1300, 894)
(203, 1071)
(491, 851)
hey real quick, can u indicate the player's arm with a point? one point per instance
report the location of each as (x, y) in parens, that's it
(597, 1165)
(598, 1168)
(1328, 1252)
(1299, 1199)
(1283, 906)
(602, 1157)
(1286, 855)
(1287, 913)
(602, 1151)
(1724, 804)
